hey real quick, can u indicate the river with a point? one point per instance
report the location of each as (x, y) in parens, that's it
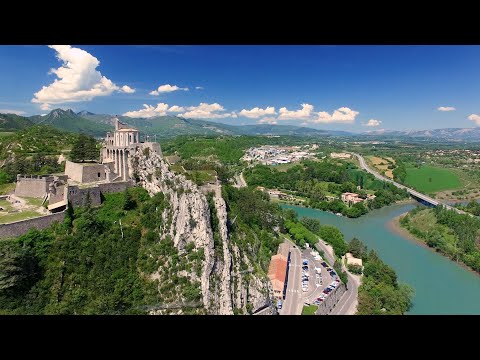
(441, 286)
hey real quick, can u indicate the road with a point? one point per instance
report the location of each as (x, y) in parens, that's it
(424, 197)
(293, 303)
(347, 303)
(240, 181)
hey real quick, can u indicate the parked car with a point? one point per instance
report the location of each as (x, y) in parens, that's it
(324, 264)
(279, 304)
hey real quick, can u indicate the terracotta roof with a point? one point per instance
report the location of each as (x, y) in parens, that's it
(277, 271)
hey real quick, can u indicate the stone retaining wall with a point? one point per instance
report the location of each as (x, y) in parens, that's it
(332, 299)
(19, 228)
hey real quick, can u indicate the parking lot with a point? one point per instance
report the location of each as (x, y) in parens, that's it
(318, 278)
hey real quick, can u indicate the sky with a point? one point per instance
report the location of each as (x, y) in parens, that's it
(351, 88)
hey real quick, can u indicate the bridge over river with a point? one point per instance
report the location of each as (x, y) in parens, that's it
(424, 199)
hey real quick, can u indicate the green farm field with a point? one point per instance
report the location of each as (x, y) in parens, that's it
(430, 179)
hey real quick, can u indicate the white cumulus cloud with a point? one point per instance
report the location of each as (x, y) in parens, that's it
(176, 108)
(199, 87)
(373, 122)
(207, 111)
(303, 114)
(267, 120)
(475, 118)
(446, 108)
(166, 89)
(127, 89)
(77, 79)
(256, 112)
(341, 115)
(11, 111)
(149, 111)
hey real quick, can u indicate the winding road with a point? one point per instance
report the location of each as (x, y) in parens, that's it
(416, 194)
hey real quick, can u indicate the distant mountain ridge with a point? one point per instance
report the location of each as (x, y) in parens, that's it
(68, 120)
(445, 133)
(170, 126)
(166, 126)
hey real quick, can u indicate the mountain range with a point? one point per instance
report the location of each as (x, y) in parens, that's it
(170, 126)
(165, 126)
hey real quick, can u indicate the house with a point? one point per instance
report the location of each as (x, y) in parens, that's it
(351, 198)
(351, 260)
(277, 273)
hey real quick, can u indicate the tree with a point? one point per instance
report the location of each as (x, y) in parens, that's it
(311, 224)
(357, 248)
(129, 203)
(84, 148)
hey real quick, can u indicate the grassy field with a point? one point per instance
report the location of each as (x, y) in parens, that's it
(309, 310)
(6, 205)
(5, 133)
(431, 179)
(23, 215)
(426, 222)
(201, 177)
(7, 188)
(381, 164)
(284, 167)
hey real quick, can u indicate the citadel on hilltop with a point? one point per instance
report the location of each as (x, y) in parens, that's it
(84, 182)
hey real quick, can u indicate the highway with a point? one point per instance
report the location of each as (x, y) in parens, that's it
(424, 197)
(293, 303)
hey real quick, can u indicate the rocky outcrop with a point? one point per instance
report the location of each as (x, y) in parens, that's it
(225, 288)
(188, 219)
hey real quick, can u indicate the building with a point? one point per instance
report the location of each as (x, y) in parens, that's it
(351, 198)
(340, 155)
(85, 182)
(351, 260)
(277, 273)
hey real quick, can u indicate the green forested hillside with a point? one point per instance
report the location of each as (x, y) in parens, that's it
(13, 122)
(32, 151)
(67, 120)
(86, 266)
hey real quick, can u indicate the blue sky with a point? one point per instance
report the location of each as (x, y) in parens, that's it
(327, 87)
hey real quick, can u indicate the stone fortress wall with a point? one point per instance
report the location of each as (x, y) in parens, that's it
(82, 183)
(19, 228)
(32, 186)
(327, 305)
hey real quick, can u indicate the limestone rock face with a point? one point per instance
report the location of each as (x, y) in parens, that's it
(188, 220)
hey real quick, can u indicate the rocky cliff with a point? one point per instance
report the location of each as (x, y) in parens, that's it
(225, 288)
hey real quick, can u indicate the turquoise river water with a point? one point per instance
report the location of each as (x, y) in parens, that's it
(441, 286)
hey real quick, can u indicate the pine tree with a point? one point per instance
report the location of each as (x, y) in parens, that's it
(84, 148)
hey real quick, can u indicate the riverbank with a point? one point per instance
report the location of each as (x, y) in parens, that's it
(414, 265)
(394, 226)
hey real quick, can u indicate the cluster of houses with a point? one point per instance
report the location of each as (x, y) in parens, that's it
(275, 155)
